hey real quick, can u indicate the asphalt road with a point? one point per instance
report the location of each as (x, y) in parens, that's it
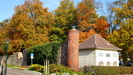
(21, 72)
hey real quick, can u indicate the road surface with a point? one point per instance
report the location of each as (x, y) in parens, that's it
(21, 72)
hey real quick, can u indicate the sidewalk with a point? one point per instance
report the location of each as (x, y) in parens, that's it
(38, 73)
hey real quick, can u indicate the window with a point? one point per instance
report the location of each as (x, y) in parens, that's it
(100, 63)
(108, 63)
(107, 55)
(114, 55)
(114, 63)
(100, 54)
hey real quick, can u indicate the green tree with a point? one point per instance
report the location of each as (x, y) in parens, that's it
(65, 18)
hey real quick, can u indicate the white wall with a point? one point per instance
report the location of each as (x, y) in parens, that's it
(92, 58)
(113, 57)
(86, 57)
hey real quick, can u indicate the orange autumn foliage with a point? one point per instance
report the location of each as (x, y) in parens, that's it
(86, 15)
(101, 27)
(88, 21)
(30, 25)
(84, 35)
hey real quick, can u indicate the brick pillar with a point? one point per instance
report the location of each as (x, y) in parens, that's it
(73, 49)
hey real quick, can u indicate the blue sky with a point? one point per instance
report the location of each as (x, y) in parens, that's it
(7, 6)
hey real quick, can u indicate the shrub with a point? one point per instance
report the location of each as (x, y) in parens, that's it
(43, 51)
(102, 70)
(23, 67)
(36, 67)
(109, 70)
(55, 68)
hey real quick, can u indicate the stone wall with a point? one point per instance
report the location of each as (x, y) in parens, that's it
(63, 54)
(20, 58)
(15, 59)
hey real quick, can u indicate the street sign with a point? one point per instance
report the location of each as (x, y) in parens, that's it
(32, 55)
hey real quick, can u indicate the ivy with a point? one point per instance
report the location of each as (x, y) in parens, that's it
(46, 51)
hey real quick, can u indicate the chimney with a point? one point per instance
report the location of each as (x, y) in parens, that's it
(73, 49)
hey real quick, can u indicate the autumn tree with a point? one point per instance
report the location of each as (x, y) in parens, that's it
(30, 25)
(65, 18)
(86, 17)
(3, 34)
(123, 37)
(85, 35)
(123, 10)
(102, 26)
(88, 21)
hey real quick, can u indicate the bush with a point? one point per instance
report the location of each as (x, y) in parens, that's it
(109, 70)
(36, 67)
(43, 51)
(55, 68)
(102, 70)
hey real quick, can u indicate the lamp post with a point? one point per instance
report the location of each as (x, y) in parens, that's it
(6, 52)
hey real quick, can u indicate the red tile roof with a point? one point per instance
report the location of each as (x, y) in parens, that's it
(96, 41)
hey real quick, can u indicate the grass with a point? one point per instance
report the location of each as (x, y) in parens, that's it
(12, 66)
(18, 67)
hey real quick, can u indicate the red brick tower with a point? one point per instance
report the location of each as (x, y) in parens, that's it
(73, 49)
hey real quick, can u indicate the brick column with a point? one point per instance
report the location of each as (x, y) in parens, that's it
(73, 49)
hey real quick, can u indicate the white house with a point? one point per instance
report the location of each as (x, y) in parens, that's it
(96, 51)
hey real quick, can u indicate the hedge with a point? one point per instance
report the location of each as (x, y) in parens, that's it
(108, 70)
(44, 51)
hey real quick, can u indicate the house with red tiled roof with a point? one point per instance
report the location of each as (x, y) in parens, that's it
(96, 51)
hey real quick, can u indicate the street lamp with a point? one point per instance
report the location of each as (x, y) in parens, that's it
(6, 52)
